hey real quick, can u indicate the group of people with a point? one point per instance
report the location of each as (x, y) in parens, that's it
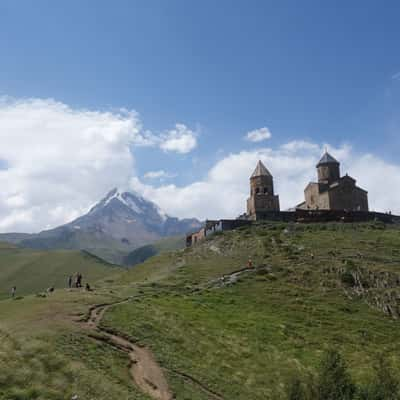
(76, 281)
(72, 281)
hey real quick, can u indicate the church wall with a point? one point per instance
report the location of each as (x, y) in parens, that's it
(324, 201)
(345, 197)
(316, 200)
(311, 194)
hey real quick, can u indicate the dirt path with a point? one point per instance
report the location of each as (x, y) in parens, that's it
(233, 277)
(144, 369)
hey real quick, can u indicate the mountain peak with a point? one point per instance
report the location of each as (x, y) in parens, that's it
(119, 223)
(133, 202)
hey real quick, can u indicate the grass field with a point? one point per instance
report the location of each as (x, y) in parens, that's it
(142, 253)
(33, 271)
(246, 340)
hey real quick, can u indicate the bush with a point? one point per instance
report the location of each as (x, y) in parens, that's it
(348, 279)
(296, 390)
(384, 386)
(334, 381)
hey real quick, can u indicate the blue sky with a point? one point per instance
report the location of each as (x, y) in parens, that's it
(323, 72)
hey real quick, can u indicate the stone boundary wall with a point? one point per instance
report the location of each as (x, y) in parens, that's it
(213, 226)
(343, 216)
(300, 216)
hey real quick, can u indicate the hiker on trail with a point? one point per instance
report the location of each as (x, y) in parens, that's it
(13, 291)
(250, 263)
(78, 280)
(70, 281)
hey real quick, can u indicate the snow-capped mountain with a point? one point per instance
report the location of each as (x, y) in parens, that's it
(129, 217)
(118, 224)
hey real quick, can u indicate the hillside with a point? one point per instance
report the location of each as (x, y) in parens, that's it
(112, 229)
(215, 329)
(141, 254)
(34, 271)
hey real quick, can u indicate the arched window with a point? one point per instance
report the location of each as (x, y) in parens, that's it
(257, 190)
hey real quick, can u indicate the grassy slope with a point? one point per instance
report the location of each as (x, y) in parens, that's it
(104, 246)
(142, 253)
(45, 355)
(242, 341)
(33, 270)
(246, 341)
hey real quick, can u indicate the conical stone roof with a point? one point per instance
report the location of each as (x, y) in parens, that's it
(261, 170)
(327, 159)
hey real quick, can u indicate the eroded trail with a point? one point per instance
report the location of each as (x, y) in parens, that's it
(144, 369)
(233, 277)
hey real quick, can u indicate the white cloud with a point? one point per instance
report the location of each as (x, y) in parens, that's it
(180, 140)
(59, 160)
(297, 146)
(160, 174)
(258, 135)
(224, 190)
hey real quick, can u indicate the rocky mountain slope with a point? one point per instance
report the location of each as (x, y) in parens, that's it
(113, 228)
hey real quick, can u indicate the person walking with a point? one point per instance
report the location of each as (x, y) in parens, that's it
(70, 282)
(79, 280)
(13, 291)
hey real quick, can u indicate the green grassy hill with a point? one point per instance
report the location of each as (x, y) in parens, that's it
(217, 334)
(32, 271)
(141, 254)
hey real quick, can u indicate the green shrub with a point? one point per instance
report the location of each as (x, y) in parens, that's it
(296, 390)
(384, 386)
(333, 381)
(348, 279)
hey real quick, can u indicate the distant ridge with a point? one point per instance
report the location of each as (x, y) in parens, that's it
(114, 227)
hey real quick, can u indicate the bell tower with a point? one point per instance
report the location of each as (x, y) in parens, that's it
(262, 198)
(328, 169)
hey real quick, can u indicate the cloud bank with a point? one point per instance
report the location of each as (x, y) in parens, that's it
(224, 190)
(56, 162)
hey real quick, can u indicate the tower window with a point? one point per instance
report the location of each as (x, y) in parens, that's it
(257, 190)
(265, 190)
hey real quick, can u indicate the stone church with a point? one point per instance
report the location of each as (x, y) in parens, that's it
(262, 198)
(333, 192)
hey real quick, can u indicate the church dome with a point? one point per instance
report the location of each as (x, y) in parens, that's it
(327, 159)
